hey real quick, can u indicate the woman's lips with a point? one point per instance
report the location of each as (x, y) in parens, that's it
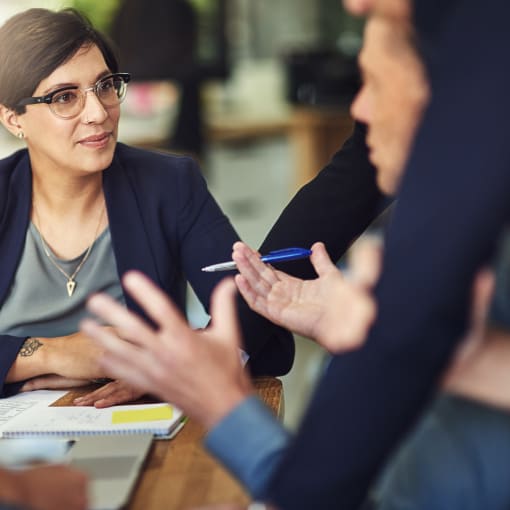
(96, 141)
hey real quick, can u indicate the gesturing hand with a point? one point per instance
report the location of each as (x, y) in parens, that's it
(200, 373)
(332, 310)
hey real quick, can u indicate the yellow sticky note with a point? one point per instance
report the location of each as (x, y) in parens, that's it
(146, 414)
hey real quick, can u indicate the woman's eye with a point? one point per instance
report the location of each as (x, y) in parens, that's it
(106, 86)
(66, 97)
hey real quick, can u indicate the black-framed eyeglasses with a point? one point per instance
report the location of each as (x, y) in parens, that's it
(68, 102)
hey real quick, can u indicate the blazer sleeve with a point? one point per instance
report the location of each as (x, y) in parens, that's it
(14, 212)
(335, 207)
(10, 346)
(453, 204)
(206, 237)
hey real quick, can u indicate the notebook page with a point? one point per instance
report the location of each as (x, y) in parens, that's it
(16, 405)
(158, 419)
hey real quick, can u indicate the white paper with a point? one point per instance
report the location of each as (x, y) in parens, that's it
(12, 407)
(73, 421)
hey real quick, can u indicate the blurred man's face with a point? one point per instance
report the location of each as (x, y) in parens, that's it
(392, 98)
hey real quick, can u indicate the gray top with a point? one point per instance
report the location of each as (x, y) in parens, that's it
(38, 303)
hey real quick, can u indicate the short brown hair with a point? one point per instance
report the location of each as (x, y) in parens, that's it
(35, 42)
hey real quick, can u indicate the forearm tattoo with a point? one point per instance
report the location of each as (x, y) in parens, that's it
(30, 346)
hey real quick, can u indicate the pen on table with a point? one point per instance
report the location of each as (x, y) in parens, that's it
(273, 256)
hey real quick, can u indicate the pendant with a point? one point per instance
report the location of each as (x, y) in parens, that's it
(71, 284)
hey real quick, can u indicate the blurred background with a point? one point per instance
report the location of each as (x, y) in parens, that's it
(257, 90)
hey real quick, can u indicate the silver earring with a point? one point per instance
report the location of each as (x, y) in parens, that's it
(20, 135)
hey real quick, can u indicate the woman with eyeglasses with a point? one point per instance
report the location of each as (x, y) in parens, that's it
(78, 209)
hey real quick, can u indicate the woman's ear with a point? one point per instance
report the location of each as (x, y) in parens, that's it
(9, 119)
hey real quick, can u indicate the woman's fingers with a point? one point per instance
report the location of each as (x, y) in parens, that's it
(113, 393)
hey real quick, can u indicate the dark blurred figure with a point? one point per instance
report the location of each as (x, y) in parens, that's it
(159, 43)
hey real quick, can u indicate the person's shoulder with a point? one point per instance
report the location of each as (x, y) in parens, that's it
(156, 173)
(14, 172)
(10, 163)
(134, 159)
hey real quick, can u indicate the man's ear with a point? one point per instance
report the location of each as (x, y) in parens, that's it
(9, 119)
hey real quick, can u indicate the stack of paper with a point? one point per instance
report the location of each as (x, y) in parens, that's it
(29, 414)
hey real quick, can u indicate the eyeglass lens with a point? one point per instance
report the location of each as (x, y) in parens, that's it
(68, 103)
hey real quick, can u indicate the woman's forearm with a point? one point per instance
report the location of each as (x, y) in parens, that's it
(31, 361)
(73, 356)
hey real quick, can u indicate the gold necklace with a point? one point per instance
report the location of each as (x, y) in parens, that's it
(71, 282)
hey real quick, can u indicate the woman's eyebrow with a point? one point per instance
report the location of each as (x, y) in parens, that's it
(58, 86)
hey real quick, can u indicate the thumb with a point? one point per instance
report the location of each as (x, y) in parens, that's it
(224, 312)
(320, 259)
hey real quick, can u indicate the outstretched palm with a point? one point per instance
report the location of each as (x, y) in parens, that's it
(330, 309)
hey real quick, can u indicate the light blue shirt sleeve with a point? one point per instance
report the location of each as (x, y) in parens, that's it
(249, 442)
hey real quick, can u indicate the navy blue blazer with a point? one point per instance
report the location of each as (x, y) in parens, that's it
(453, 204)
(163, 222)
(335, 207)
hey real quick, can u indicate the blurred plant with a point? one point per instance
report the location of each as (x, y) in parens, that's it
(100, 12)
(202, 5)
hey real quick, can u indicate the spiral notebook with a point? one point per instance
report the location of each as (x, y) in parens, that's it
(41, 420)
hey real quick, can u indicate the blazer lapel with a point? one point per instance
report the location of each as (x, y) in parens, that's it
(130, 240)
(16, 194)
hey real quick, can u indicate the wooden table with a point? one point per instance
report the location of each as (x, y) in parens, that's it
(315, 134)
(179, 474)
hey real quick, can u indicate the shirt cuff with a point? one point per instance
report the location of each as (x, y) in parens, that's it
(250, 442)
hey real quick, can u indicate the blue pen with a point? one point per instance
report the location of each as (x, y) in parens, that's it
(273, 256)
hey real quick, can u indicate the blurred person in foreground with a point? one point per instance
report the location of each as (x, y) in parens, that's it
(410, 90)
(43, 488)
(78, 209)
(452, 209)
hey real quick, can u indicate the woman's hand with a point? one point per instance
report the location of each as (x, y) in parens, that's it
(75, 356)
(111, 394)
(200, 373)
(335, 311)
(52, 382)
